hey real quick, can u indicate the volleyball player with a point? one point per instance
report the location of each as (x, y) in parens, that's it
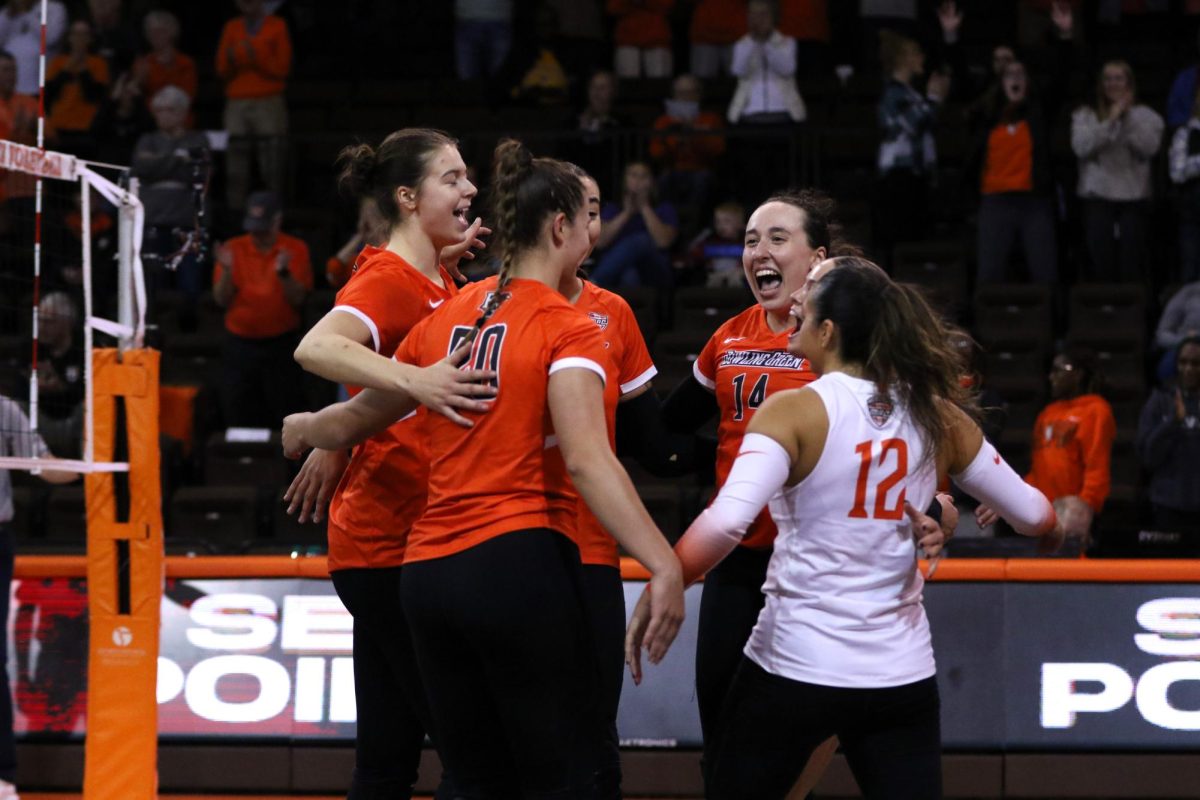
(418, 181)
(491, 571)
(632, 412)
(842, 644)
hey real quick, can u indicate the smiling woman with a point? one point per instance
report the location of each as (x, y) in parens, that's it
(745, 362)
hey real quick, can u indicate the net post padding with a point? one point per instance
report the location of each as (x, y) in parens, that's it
(124, 599)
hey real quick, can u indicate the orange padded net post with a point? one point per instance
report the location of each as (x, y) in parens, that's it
(125, 581)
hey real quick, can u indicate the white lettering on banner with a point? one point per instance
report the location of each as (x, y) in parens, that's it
(1176, 625)
(1152, 692)
(170, 680)
(310, 689)
(1060, 700)
(47, 164)
(316, 624)
(274, 689)
(233, 622)
(341, 691)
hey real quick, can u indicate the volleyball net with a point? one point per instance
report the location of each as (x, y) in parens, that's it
(70, 281)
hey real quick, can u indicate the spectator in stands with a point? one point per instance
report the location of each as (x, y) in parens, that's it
(371, 230)
(169, 162)
(1072, 442)
(254, 58)
(18, 123)
(164, 65)
(764, 62)
(1115, 141)
(685, 146)
(636, 235)
(594, 149)
(1168, 441)
(114, 39)
(716, 25)
(261, 279)
(643, 38)
(1183, 165)
(535, 66)
(1181, 102)
(1010, 165)
(483, 34)
(766, 100)
(21, 35)
(121, 121)
(1180, 319)
(907, 154)
(17, 441)
(715, 256)
(60, 373)
(76, 88)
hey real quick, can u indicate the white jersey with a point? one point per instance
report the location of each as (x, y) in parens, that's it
(843, 591)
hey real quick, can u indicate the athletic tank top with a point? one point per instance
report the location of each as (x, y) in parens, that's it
(843, 591)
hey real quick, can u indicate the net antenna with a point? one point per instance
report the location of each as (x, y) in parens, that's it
(129, 328)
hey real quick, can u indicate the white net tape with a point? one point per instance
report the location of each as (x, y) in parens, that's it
(128, 328)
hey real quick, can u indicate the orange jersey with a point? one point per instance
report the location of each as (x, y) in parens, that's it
(505, 473)
(382, 492)
(1072, 450)
(259, 309)
(629, 368)
(744, 363)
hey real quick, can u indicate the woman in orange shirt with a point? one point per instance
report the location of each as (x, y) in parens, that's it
(417, 180)
(491, 570)
(76, 85)
(164, 65)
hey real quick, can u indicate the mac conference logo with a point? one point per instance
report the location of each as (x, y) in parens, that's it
(122, 636)
(1171, 630)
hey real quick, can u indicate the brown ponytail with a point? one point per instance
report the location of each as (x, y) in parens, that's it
(901, 344)
(525, 190)
(400, 160)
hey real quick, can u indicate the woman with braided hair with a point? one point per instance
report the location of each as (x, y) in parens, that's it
(491, 571)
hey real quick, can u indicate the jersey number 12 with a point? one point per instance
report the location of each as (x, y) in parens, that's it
(886, 484)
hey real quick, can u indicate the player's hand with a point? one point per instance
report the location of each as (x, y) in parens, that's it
(635, 634)
(985, 515)
(446, 388)
(949, 515)
(453, 254)
(295, 433)
(659, 622)
(313, 486)
(929, 536)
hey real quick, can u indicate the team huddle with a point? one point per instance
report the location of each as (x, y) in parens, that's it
(474, 532)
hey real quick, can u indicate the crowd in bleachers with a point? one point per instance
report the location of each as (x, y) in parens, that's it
(1035, 165)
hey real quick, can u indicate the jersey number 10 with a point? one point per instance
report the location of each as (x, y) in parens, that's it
(882, 511)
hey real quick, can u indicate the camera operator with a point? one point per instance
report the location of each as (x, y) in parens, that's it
(172, 164)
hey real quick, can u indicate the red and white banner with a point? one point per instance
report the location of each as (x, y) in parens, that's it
(47, 164)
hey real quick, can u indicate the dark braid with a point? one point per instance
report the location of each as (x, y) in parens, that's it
(524, 191)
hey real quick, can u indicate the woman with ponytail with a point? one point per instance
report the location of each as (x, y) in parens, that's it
(491, 570)
(418, 181)
(842, 645)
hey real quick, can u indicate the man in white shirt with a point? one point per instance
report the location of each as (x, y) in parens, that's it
(764, 61)
(21, 35)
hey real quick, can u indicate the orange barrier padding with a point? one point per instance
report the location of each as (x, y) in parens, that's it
(177, 412)
(1133, 570)
(120, 752)
(964, 570)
